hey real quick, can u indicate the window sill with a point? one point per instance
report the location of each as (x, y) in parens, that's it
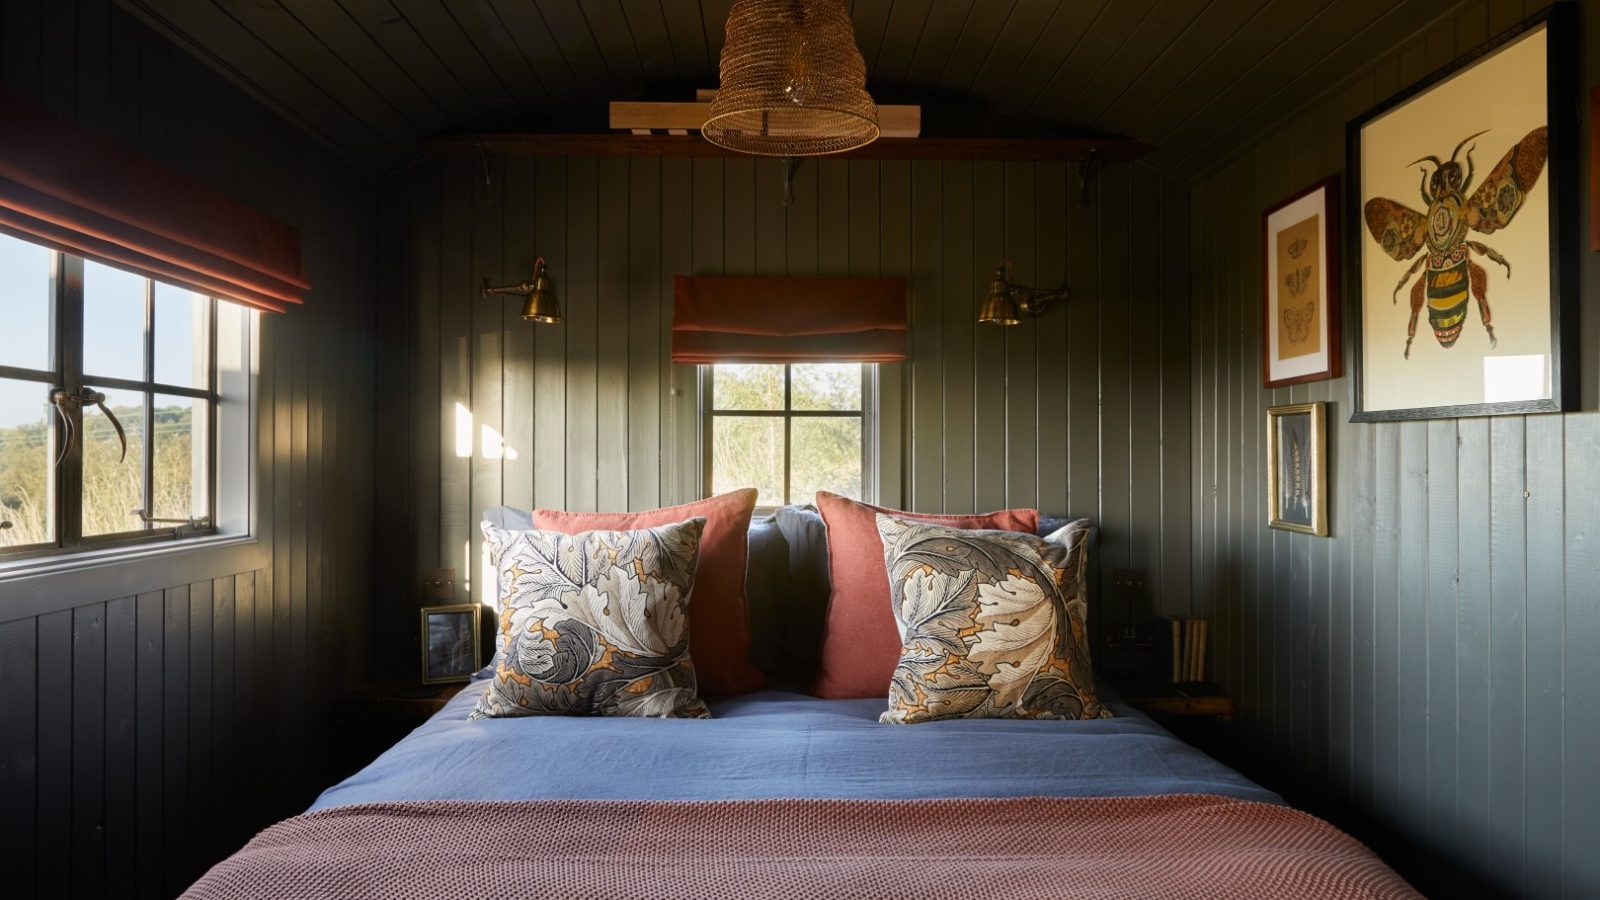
(31, 587)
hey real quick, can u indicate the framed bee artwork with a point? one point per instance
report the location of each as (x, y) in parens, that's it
(1463, 264)
(1300, 287)
(1297, 476)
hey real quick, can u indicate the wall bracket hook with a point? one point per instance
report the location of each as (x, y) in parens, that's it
(790, 164)
(1088, 168)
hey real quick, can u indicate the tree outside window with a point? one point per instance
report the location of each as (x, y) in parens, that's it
(788, 430)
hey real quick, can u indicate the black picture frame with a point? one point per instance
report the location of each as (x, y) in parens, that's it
(1561, 78)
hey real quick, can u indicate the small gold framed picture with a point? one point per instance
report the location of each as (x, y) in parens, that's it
(1297, 480)
(449, 643)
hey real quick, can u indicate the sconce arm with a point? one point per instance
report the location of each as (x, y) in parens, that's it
(1034, 301)
(522, 289)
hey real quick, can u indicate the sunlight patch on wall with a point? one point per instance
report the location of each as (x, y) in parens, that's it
(463, 432)
(494, 444)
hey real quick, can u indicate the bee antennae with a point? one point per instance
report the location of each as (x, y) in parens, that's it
(1433, 159)
(1464, 143)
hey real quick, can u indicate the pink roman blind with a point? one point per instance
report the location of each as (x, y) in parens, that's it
(81, 193)
(720, 319)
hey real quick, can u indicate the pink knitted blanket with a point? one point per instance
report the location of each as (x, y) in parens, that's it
(1164, 846)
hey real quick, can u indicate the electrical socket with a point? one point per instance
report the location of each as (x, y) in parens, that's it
(1128, 583)
(439, 585)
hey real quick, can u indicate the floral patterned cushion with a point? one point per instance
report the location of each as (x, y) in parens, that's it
(991, 624)
(594, 623)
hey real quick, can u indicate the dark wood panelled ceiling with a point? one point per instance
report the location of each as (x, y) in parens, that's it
(1194, 78)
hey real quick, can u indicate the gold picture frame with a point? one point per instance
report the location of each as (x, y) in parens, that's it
(1297, 471)
(449, 643)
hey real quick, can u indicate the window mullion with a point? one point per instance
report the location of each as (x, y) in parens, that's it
(148, 460)
(69, 368)
(788, 431)
(212, 418)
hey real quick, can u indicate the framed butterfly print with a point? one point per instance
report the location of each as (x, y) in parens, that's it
(1463, 258)
(1300, 287)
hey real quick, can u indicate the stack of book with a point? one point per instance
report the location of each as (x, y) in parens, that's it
(1183, 647)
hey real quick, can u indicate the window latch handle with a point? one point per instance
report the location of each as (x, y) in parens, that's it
(59, 398)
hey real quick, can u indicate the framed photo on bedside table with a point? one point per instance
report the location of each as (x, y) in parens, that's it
(449, 643)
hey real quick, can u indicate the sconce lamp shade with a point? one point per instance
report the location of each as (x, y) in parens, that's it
(541, 305)
(1006, 303)
(792, 81)
(998, 308)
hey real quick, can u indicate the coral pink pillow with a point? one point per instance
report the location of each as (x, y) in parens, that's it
(719, 623)
(861, 645)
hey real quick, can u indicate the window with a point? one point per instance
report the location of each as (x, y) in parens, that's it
(788, 430)
(110, 388)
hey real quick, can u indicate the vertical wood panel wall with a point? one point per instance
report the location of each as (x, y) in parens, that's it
(144, 736)
(1429, 673)
(1084, 411)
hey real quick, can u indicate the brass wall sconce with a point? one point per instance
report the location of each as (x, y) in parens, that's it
(541, 305)
(1006, 303)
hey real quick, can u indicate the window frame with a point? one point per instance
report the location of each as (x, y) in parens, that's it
(866, 413)
(66, 320)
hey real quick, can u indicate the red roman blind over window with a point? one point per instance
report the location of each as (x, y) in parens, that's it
(80, 193)
(788, 320)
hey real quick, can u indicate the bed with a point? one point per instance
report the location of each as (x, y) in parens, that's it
(785, 795)
(777, 744)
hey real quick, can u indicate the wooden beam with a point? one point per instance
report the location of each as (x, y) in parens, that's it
(677, 146)
(629, 115)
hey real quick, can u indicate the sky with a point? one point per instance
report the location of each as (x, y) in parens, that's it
(113, 327)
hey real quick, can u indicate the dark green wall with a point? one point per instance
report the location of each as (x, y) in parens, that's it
(1083, 411)
(153, 717)
(1430, 674)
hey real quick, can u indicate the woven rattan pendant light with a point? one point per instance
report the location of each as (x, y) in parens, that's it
(793, 82)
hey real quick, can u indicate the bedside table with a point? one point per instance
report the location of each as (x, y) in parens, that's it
(1197, 699)
(370, 719)
(396, 701)
(1196, 712)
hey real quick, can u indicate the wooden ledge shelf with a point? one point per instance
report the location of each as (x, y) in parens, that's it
(690, 145)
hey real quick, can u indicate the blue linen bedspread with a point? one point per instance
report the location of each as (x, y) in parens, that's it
(775, 744)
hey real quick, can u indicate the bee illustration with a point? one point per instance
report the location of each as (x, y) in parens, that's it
(1297, 248)
(1403, 232)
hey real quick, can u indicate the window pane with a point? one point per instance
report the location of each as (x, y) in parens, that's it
(113, 323)
(183, 336)
(24, 305)
(180, 461)
(747, 451)
(111, 489)
(741, 386)
(25, 492)
(835, 386)
(827, 457)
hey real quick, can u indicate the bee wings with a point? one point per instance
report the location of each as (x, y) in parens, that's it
(1495, 203)
(1398, 229)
